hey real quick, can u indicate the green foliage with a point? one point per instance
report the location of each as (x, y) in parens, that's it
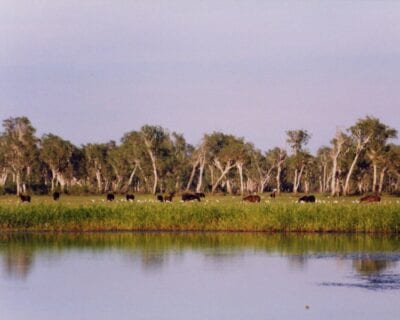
(152, 159)
(209, 215)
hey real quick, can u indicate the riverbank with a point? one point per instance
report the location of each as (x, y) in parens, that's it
(232, 215)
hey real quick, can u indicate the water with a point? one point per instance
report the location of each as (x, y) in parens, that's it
(198, 276)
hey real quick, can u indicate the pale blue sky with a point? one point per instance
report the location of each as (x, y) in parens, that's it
(92, 70)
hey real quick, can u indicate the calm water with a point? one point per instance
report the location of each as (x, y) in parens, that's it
(199, 276)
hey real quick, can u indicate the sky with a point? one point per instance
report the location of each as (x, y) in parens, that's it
(93, 70)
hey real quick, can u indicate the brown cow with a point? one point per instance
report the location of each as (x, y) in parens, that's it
(371, 198)
(252, 198)
(25, 198)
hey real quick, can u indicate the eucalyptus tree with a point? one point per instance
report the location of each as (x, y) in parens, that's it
(78, 164)
(57, 153)
(20, 149)
(311, 173)
(181, 152)
(198, 160)
(394, 167)
(385, 159)
(338, 147)
(97, 162)
(263, 167)
(120, 168)
(222, 152)
(277, 157)
(242, 155)
(378, 146)
(368, 133)
(154, 138)
(323, 158)
(390, 163)
(136, 157)
(4, 170)
(297, 139)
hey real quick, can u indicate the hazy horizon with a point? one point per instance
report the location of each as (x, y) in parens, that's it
(91, 71)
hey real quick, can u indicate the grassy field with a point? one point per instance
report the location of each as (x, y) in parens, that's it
(216, 213)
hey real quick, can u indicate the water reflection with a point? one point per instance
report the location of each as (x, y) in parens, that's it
(152, 261)
(298, 262)
(372, 258)
(18, 262)
(372, 274)
(370, 267)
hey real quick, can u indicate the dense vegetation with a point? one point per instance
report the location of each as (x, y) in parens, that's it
(358, 160)
(212, 214)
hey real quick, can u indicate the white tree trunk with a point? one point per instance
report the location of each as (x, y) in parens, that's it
(153, 163)
(360, 147)
(278, 180)
(3, 178)
(132, 175)
(192, 176)
(224, 171)
(201, 173)
(239, 166)
(381, 179)
(99, 182)
(298, 179)
(347, 182)
(61, 180)
(295, 181)
(375, 178)
(18, 182)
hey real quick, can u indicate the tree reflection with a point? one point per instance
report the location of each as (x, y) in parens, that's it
(368, 266)
(18, 262)
(298, 262)
(152, 260)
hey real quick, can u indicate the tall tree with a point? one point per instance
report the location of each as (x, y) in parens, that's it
(337, 148)
(97, 162)
(154, 137)
(368, 133)
(57, 154)
(297, 139)
(221, 152)
(278, 157)
(21, 150)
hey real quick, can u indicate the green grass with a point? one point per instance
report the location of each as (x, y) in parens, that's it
(215, 213)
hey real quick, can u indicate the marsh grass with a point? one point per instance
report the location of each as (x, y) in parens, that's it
(214, 214)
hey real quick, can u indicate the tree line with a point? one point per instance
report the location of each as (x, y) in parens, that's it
(358, 160)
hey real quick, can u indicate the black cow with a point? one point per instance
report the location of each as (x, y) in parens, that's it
(56, 196)
(190, 197)
(252, 198)
(110, 197)
(371, 198)
(129, 197)
(307, 199)
(160, 198)
(25, 198)
(200, 194)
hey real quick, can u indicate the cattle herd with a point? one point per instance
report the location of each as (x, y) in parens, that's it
(196, 196)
